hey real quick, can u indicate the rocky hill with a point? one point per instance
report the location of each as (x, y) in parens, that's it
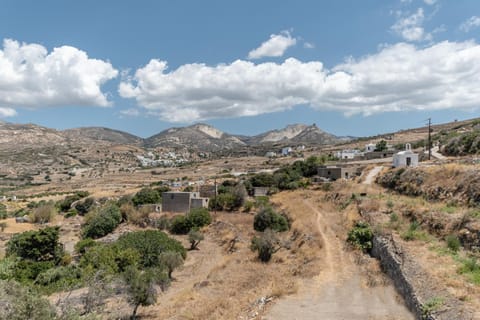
(199, 136)
(294, 134)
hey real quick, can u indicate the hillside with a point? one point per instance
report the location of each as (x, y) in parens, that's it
(104, 134)
(199, 136)
(294, 134)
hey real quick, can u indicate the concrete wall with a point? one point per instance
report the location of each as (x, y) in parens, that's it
(176, 201)
(199, 203)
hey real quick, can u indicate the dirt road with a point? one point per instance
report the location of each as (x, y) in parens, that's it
(340, 291)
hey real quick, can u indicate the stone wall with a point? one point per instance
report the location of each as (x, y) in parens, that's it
(391, 259)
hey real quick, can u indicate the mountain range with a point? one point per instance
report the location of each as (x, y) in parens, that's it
(200, 137)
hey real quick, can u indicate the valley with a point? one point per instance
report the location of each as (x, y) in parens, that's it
(315, 268)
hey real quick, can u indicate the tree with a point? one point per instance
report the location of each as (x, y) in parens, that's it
(266, 245)
(170, 260)
(150, 244)
(381, 145)
(267, 218)
(195, 237)
(41, 245)
(146, 196)
(140, 288)
(102, 221)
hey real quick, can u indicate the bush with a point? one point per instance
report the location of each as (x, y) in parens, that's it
(109, 258)
(65, 204)
(146, 196)
(83, 207)
(3, 211)
(41, 245)
(149, 244)
(361, 236)
(199, 217)
(101, 222)
(266, 245)
(453, 243)
(43, 214)
(267, 218)
(19, 303)
(59, 278)
(196, 218)
(82, 246)
(180, 225)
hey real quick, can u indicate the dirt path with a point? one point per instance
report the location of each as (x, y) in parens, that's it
(339, 291)
(372, 174)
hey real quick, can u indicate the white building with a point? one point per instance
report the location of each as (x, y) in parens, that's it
(270, 154)
(286, 151)
(347, 154)
(405, 158)
(370, 147)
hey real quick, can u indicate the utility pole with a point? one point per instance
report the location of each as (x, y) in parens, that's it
(429, 138)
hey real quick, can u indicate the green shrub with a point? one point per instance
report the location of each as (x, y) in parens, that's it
(83, 207)
(196, 218)
(59, 278)
(361, 236)
(109, 258)
(26, 271)
(453, 243)
(146, 196)
(149, 244)
(101, 222)
(199, 217)
(21, 303)
(471, 268)
(266, 245)
(7, 268)
(41, 245)
(267, 218)
(3, 211)
(71, 213)
(82, 246)
(65, 204)
(180, 225)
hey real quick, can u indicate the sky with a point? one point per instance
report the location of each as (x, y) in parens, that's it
(356, 68)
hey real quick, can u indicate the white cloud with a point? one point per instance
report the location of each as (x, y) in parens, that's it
(33, 77)
(400, 77)
(130, 112)
(273, 47)
(308, 45)
(430, 2)
(470, 23)
(411, 28)
(7, 112)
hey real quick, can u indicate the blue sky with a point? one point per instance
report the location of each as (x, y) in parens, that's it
(352, 67)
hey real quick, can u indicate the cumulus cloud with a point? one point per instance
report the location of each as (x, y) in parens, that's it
(7, 112)
(470, 23)
(430, 2)
(273, 47)
(411, 28)
(399, 77)
(33, 77)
